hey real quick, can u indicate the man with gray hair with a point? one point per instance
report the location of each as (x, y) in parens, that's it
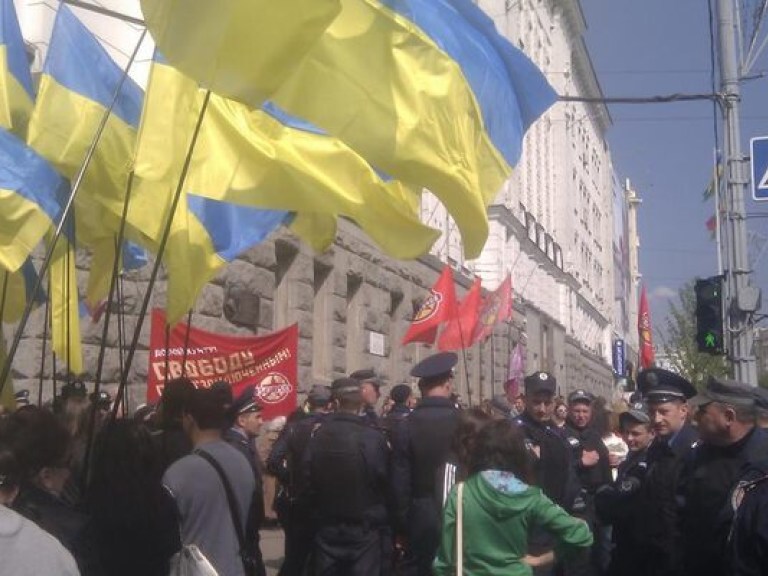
(725, 414)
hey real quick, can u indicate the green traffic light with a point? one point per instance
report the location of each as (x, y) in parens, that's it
(709, 340)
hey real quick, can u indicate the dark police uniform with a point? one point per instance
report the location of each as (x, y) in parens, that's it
(551, 454)
(348, 466)
(421, 447)
(709, 478)
(591, 478)
(294, 505)
(748, 541)
(659, 534)
(620, 506)
(552, 459)
(245, 403)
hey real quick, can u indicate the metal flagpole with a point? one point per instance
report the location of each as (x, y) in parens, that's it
(159, 256)
(186, 344)
(742, 299)
(65, 214)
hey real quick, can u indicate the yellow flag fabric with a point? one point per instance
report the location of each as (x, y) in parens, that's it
(65, 305)
(386, 89)
(15, 291)
(238, 48)
(16, 91)
(258, 158)
(7, 398)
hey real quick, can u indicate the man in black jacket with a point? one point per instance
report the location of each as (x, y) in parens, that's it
(730, 440)
(592, 467)
(286, 462)
(619, 504)
(421, 446)
(348, 472)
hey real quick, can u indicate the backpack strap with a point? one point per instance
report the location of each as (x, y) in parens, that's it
(248, 565)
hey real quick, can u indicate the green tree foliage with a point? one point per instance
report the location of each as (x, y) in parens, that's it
(679, 343)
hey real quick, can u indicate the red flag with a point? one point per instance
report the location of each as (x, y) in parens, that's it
(497, 307)
(440, 306)
(644, 331)
(457, 334)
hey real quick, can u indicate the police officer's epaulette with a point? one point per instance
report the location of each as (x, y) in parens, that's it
(743, 488)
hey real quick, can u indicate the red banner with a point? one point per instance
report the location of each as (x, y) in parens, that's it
(439, 307)
(647, 355)
(270, 362)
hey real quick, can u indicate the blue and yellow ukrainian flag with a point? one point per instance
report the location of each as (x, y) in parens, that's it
(427, 91)
(32, 196)
(238, 48)
(268, 159)
(16, 91)
(77, 86)
(214, 235)
(205, 234)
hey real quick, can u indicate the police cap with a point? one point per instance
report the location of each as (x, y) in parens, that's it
(74, 389)
(319, 395)
(637, 414)
(246, 402)
(366, 375)
(102, 398)
(540, 382)
(580, 395)
(658, 386)
(761, 397)
(435, 366)
(400, 393)
(344, 386)
(22, 398)
(726, 392)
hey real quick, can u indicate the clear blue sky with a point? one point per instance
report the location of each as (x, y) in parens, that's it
(660, 47)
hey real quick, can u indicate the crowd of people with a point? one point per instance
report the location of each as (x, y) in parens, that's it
(674, 483)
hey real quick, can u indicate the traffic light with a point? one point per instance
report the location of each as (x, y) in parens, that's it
(709, 315)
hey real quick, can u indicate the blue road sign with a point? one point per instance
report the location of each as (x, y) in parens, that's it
(759, 153)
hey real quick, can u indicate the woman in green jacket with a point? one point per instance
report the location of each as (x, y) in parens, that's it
(500, 509)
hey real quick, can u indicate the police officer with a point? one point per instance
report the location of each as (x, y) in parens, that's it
(725, 415)
(666, 394)
(286, 462)
(402, 397)
(619, 504)
(592, 467)
(348, 465)
(421, 447)
(748, 541)
(246, 421)
(551, 456)
(22, 398)
(370, 392)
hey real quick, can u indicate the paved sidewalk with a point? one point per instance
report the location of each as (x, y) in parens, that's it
(272, 549)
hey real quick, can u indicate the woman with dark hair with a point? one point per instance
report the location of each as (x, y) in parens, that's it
(499, 508)
(42, 446)
(24, 547)
(133, 517)
(462, 445)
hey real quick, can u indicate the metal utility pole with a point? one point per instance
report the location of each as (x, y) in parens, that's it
(742, 299)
